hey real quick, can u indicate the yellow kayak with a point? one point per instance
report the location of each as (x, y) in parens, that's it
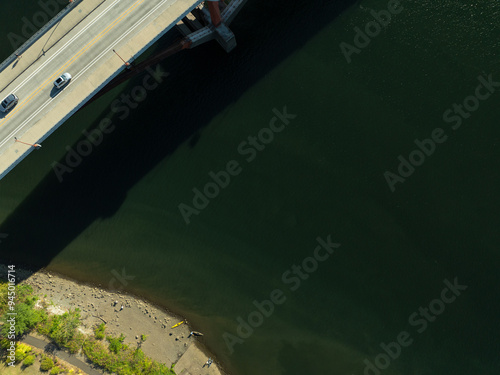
(178, 324)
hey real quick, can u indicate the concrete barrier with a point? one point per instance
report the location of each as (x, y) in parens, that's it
(45, 38)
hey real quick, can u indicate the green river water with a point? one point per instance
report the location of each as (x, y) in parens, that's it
(324, 174)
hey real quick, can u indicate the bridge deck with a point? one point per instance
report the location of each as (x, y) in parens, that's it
(85, 51)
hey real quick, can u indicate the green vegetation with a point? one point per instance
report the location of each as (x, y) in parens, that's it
(46, 364)
(116, 343)
(75, 345)
(27, 316)
(121, 359)
(29, 360)
(55, 370)
(114, 356)
(63, 330)
(99, 331)
(22, 351)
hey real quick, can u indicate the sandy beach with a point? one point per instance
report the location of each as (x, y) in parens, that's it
(125, 314)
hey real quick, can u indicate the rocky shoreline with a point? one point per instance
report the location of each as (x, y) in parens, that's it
(127, 314)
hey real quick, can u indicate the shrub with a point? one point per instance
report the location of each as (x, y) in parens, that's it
(19, 355)
(99, 331)
(4, 343)
(55, 370)
(23, 292)
(75, 344)
(126, 361)
(23, 347)
(46, 364)
(26, 318)
(22, 351)
(96, 352)
(116, 343)
(62, 328)
(29, 360)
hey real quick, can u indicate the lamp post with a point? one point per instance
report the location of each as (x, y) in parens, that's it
(127, 64)
(35, 145)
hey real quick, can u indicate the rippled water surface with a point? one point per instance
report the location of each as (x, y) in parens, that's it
(323, 174)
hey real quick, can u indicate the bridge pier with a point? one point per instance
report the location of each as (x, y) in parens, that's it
(212, 24)
(213, 8)
(197, 27)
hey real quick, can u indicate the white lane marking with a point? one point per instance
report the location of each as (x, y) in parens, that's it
(123, 36)
(63, 47)
(20, 127)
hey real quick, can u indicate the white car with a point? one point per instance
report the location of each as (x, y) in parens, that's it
(62, 80)
(9, 102)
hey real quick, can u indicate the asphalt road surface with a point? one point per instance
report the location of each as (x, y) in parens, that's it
(82, 52)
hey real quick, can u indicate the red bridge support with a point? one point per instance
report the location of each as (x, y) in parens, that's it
(213, 7)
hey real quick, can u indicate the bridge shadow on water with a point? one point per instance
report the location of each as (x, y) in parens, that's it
(55, 213)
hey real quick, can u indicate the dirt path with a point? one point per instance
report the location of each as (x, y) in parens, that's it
(49, 347)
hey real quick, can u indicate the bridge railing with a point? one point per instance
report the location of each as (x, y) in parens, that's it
(59, 16)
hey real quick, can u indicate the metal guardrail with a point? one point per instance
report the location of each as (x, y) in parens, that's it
(39, 33)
